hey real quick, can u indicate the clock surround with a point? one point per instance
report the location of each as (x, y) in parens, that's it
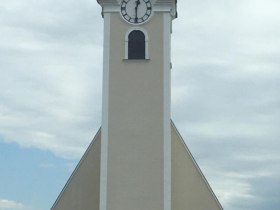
(136, 12)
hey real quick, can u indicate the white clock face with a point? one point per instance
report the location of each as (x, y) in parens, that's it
(136, 11)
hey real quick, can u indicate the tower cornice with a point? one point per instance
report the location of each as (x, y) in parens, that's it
(108, 2)
(167, 4)
(159, 6)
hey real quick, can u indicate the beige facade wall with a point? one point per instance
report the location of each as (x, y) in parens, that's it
(135, 116)
(190, 191)
(82, 190)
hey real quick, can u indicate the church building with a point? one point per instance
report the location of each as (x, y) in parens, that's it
(137, 160)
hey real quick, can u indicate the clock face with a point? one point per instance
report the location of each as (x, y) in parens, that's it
(136, 11)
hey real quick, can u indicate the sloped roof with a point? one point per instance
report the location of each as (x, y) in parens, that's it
(189, 188)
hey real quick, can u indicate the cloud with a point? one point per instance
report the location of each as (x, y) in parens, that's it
(225, 99)
(10, 205)
(225, 87)
(51, 92)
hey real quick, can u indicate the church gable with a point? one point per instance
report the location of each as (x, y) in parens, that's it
(81, 192)
(190, 189)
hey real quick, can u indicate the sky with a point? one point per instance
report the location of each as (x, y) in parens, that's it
(225, 96)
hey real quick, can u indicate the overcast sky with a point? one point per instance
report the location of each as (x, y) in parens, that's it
(225, 96)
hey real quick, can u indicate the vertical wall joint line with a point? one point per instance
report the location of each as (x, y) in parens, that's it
(167, 101)
(105, 101)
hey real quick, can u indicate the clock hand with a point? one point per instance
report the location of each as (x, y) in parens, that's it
(136, 10)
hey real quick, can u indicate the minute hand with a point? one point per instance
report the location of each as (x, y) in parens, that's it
(136, 10)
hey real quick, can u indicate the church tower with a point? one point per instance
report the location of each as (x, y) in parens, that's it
(136, 137)
(137, 160)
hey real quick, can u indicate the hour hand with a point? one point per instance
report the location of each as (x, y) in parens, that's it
(137, 3)
(136, 6)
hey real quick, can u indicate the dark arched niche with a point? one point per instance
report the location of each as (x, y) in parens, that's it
(136, 45)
